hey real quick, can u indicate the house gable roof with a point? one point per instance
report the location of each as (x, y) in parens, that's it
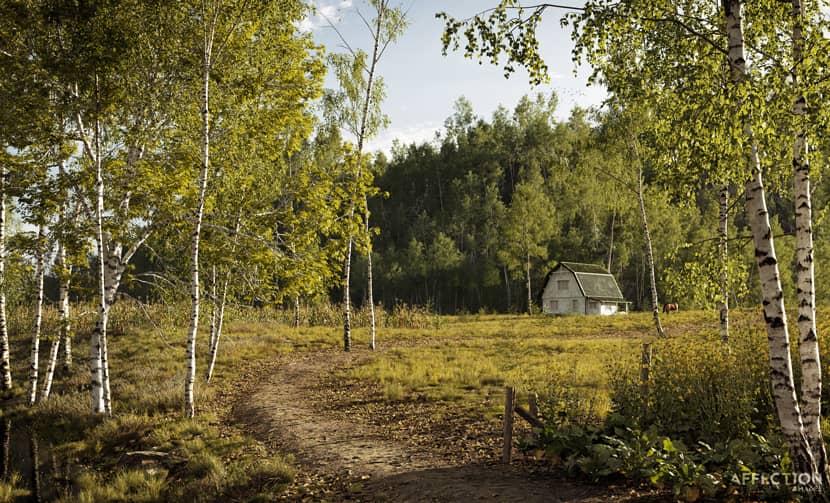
(594, 281)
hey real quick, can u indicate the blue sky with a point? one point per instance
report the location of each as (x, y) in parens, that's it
(422, 85)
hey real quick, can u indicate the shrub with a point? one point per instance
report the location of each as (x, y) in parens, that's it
(698, 389)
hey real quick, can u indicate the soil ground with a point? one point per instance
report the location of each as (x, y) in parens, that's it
(350, 444)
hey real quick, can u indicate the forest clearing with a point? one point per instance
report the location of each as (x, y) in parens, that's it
(226, 276)
(287, 416)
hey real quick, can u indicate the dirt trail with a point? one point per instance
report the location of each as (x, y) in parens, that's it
(344, 453)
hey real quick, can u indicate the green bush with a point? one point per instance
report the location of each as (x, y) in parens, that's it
(698, 389)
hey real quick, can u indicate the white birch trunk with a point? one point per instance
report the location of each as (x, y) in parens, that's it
(347, 301)
(655, 303)
(529, 293)
(781, 372)
(723, 256)
(63, 307)
(808, 347)
(99, 332)
(297, 311)
(370, 292)
(5, 356)
(33, 368)
(214, 348)
(50, 369)
(112, 279)
(190, 377)
(361, 136)
(213, 302)
(64, 273)
(214, 344)
(611, 241)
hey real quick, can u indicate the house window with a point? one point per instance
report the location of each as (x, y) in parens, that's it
(554, 305)
(575, 305)
(562, 285)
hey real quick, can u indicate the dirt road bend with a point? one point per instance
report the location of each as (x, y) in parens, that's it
(351, 445)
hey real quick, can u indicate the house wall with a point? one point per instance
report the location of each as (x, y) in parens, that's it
(562, 294)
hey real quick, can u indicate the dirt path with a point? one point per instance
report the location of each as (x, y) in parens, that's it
(349, 447)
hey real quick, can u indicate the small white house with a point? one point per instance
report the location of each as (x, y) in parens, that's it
(583, 289)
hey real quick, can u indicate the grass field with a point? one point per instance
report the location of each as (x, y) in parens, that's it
(461, 359)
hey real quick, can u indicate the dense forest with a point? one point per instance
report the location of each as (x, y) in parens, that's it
(457, 216)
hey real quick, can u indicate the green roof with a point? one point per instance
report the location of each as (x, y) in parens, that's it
(595, 281)
(590, 268)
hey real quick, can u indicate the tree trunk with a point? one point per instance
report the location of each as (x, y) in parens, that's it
(296, 311)
(6, 438)
(361, 136)
(112, 279)
(190, 378)
(5, 356)
(50, 369)
(214, 347)
(347, 301)
(781, 372)
(370, 293)
(507, 287)
(611, 241)
(64, 273)
(529, 293)
(64, 281)
(39, 273)
(99, 332)
(655, 304)
(723, 256)
(214, 342)
(807, 335)
(213, 305)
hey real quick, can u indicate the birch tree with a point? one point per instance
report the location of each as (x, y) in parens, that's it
(528, 227)
(227, 35)
(747, 104)
(361, 93)
(808, 338)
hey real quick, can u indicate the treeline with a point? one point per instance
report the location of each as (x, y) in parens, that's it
(458, 217)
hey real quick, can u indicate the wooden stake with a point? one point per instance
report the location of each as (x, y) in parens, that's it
(534, 407)
(509, 395)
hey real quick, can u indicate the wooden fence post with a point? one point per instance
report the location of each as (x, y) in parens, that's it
(509, 395)
(534, 405)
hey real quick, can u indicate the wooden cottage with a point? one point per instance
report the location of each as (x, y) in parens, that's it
(583, 289)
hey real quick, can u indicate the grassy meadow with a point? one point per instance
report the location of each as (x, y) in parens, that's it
(467, 359)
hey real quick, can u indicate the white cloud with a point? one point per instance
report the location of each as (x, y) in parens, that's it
(325, 12)
(419, 133)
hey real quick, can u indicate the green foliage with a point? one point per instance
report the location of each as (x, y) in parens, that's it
(496, 33)
(698, 389)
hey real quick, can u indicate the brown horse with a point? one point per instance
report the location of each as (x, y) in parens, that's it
(670, 307)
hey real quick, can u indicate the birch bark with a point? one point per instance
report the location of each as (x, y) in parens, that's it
(529, 294)
(33, 368)
(209, 34)
(214, 346)
(781, 372)
(369, 286)
(807, 334)
(5, 357)
(64, 274)
(655, 303)
(723, 254)
(361, 136)
(50, 369)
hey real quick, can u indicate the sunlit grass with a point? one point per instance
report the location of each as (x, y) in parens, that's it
(464, 359)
